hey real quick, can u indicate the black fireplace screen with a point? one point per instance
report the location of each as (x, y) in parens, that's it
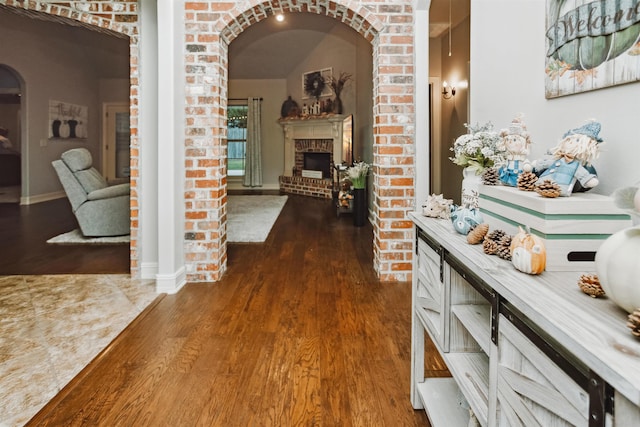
(318, 162)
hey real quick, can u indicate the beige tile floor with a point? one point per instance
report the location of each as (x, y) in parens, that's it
(53, 326)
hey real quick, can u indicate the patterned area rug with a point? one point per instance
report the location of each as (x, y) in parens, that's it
(75, 237)
(250, 218)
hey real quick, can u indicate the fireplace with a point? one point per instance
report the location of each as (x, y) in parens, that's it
(318, 162)
(311, 144)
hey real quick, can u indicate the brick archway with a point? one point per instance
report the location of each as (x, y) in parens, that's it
(210, 27)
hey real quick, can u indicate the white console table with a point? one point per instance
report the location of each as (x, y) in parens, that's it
(523, 350)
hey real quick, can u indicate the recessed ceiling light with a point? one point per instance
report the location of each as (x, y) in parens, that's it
(279, 17)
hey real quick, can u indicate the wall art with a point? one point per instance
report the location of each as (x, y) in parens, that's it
(591, 45)
(67, 121)
(316, 83)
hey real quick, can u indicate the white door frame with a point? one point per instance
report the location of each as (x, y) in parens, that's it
(435, 143)
(109, 110)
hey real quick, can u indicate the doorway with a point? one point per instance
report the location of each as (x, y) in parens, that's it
(115, 142)
(10, 136)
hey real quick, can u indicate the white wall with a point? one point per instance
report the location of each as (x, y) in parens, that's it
(507, 77)
(273, 94)
(344, 50)
(338, 51)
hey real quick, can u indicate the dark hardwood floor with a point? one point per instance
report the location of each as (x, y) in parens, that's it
(299, 332)
(24, 231)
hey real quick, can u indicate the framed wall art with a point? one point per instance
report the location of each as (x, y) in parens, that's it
(67, 121)
(591, 45)
(315, 84)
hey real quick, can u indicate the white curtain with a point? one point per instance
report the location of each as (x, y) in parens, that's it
(253, 154)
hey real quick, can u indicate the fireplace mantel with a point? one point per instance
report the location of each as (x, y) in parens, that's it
(321, 127)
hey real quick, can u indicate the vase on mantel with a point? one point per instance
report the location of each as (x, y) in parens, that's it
(336, 106)
(360, 210)
(470, 187)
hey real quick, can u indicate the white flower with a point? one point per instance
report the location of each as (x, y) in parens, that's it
(358, 174)
(479, 148)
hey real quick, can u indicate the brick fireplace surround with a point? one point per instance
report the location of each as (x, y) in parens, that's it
(207, 28)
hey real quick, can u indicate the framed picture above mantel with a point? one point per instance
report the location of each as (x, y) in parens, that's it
(591, 45)
(315, 84)
(67, 121)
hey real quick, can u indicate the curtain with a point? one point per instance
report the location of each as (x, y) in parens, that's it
(253, 154)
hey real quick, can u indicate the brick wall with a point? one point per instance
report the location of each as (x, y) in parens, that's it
(209, 27)
(304, 186)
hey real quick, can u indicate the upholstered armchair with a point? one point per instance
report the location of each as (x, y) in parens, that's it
(101, 210)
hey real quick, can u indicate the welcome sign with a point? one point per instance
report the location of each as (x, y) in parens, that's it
(591, 45)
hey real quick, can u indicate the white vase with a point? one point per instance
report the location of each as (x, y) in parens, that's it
(618, 268)
(64, 129)
(470, 188)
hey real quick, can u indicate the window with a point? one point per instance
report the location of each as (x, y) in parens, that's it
(236, 139)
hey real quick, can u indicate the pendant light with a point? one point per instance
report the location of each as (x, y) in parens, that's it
(449, 27)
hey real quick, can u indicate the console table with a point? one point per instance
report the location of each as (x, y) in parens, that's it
(522, 350)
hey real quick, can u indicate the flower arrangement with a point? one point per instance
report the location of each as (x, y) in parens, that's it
(358, 174)
(478, 149)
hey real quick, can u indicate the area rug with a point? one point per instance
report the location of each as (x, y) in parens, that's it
(75, 237)
(250, 218)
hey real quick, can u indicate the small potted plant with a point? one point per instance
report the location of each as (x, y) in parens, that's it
(476, 151)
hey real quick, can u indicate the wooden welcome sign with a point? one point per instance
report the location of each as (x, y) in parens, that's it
(591, 45)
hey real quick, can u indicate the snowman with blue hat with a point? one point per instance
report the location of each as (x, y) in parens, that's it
(570, 167)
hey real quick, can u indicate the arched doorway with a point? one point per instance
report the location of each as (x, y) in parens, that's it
(392, 180)
(10, 135)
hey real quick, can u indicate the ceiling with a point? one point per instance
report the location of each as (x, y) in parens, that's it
(271, 49)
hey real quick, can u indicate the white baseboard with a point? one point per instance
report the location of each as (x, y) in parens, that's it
(238, 186)
(148, 270)
(30, 200)
(171, 283)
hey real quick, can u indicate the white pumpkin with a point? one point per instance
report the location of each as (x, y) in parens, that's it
(618, 267)
(528, 253)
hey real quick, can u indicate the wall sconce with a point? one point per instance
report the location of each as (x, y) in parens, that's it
(448, 91)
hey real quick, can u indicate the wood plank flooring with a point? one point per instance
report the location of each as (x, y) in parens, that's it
(299, 332)
(24, 231)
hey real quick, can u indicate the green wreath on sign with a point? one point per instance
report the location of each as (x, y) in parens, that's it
(314, 84)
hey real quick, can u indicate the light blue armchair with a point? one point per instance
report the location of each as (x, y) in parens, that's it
(101, 210)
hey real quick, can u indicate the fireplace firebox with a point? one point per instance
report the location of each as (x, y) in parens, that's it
(318, 162)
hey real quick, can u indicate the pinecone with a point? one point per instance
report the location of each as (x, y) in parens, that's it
(504, 247)
(548, 188)
(491, 176)
(496, 235)
(590, 285)
(477, 233)
(489, 246)
(505, 240)
(633, 322)
(504, 252)
(527, 181)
